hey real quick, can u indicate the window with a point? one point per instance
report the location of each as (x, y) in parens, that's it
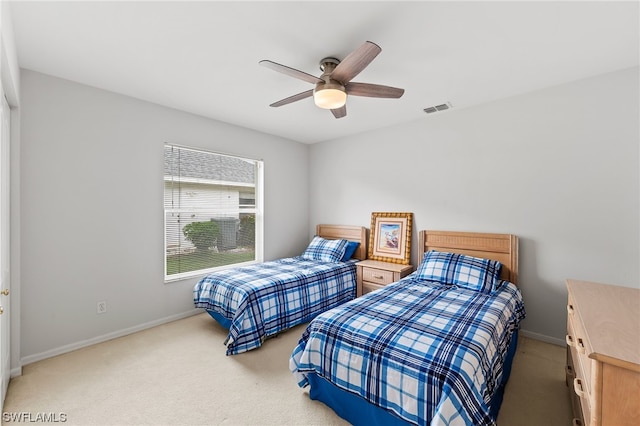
(212, 210)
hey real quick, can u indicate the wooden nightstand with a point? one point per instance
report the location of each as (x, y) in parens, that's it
(373, 274)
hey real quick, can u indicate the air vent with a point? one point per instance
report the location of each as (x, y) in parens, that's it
(441, 107)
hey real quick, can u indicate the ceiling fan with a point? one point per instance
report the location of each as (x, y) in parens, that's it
(333, 86)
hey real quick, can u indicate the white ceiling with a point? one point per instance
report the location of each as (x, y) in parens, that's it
(202, 57)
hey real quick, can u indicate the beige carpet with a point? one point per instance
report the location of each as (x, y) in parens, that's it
(177, 374)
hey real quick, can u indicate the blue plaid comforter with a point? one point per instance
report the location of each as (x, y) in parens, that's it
(264, 299)
(430, 353)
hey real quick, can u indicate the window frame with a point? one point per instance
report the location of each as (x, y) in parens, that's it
(258, 211)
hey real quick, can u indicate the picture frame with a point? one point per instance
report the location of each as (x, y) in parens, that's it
(391, 237)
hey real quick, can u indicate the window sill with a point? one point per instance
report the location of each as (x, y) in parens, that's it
(203, 272)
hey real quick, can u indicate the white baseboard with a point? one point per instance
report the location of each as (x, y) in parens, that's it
(15, 372)
(99, 339)
(543, 338)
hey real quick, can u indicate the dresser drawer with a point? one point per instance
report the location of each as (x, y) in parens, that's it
(581, 398)
(576, 404)
(580, 342)
(584, 415)
(377, 276)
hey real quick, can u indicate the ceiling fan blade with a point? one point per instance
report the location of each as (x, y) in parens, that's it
(355, 62)
(292, 72)
(373, 90)
(290, 99)
(340, 112)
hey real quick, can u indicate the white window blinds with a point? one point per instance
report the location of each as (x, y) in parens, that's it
(212, 205)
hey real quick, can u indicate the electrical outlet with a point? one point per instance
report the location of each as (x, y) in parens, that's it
(102, 307)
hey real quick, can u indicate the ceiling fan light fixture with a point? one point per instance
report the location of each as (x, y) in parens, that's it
(329, 95)
(332, 87)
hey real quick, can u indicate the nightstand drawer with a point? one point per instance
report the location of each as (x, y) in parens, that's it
(377, 276)
(368, 287)
(373, 274)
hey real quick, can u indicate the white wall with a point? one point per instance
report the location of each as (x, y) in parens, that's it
(92, 182)
(557, 167)
(9, 58)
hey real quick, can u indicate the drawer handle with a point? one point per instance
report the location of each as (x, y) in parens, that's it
(569, 340)
(580, 346)
(577, 387)
(576, 422)
(570, 309)
(378, 277)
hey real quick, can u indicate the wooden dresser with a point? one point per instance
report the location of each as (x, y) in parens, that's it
(603, 353)
(373, 274)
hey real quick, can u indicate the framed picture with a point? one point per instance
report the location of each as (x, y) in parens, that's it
(391, 237)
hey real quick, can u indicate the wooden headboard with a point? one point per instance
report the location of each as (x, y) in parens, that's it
(346, 232)
(500, 247)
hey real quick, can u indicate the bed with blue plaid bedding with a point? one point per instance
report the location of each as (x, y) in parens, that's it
(262, 300)
(427, 352)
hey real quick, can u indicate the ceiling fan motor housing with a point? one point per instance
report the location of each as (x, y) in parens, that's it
(327, 65)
